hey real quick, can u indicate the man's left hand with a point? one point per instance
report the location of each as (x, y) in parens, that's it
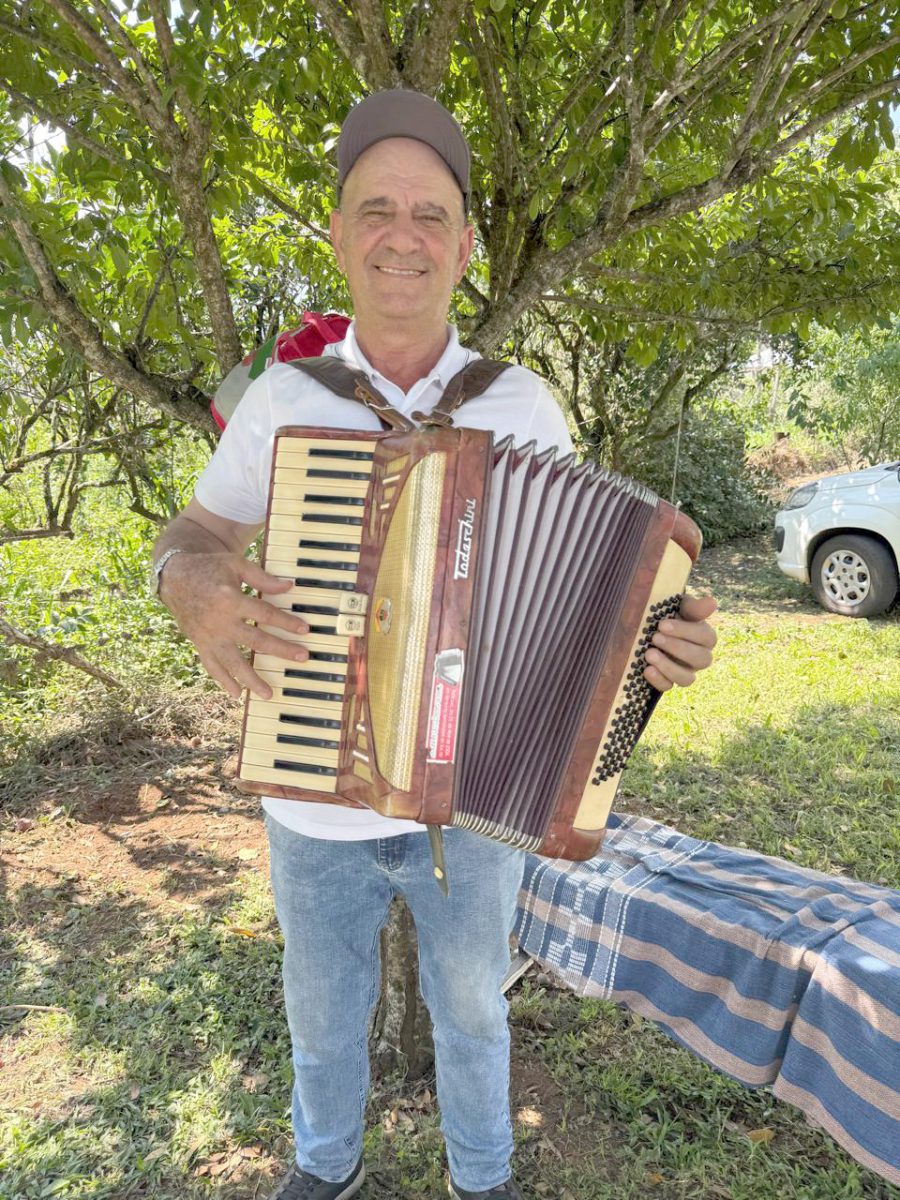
(682, 645)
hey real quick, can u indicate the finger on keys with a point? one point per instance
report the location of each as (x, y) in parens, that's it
(696, 655)
(216, 671)
(267, 643)
(254, 576)
(244, 675)
(267, 614)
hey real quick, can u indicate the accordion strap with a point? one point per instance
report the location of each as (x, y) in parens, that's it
(476, 377)
(351, 384)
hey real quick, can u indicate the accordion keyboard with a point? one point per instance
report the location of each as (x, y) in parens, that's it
(315, 527)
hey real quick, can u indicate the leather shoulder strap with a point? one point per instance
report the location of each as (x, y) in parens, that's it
(350, 384)
(476, 377)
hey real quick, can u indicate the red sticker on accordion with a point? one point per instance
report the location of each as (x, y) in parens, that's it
(443, 715)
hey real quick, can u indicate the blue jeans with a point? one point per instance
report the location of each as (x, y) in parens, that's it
(332, 899)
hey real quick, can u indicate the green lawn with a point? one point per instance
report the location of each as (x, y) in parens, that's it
(158, 1064)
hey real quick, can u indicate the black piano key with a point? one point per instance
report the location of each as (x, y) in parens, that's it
(329, 519)
(317, 473)
(331, 566)
(306, 694)
(320, 610)
(355, 501)
(326, 656)
(300, 719)
(344, 585)
(318, 544)
(325, 676)
(293, 739)
(307, 768)
(357, 455)
(331, 629)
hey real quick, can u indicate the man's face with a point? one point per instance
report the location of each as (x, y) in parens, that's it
(401, 236)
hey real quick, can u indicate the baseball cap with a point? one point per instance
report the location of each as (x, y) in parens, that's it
(402, 112)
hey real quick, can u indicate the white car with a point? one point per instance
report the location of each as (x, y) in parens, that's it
(842, 535)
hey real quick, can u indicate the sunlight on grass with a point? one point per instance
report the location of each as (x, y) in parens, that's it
(788, 744)
(171, 1058)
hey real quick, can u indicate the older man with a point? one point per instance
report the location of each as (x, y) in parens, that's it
(402, 238)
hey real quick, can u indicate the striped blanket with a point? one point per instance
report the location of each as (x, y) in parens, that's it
(773, 974)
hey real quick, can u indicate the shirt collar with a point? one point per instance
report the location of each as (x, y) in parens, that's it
(453, 359)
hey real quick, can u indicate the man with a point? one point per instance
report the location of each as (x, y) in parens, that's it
(402, 238)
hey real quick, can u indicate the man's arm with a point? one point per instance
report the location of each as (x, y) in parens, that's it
(203, 589)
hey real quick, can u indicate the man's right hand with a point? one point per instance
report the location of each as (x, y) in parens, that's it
(204, 594)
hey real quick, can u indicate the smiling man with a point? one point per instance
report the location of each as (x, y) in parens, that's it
(403, 240)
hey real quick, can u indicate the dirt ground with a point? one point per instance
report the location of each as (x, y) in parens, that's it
(146, 806)
(155, 818)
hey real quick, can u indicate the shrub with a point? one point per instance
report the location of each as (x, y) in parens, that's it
(714, 483)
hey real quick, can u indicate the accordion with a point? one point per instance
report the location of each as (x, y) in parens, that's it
(478, 615)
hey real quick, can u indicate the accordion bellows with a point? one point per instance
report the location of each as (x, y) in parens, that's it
(478, 618)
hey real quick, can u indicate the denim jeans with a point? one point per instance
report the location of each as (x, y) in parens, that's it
(332, 899)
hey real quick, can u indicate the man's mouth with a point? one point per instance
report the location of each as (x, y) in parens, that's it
(403, 272)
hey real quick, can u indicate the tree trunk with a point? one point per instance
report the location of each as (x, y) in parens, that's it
(401, 1028)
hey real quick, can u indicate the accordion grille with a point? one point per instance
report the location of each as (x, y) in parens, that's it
(399, 620)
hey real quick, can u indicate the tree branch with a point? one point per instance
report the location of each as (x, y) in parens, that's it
(197, 130)
(74, 134)
(118, 33)
(19, 464)
(8, 536)
(66, 654)
(383, 71)
(123, 82)
(282, 203)
(346, 33)
(430, 46)
(639, 315)
(69, 57)
(848, 65)
(875, 92)
(84, 337)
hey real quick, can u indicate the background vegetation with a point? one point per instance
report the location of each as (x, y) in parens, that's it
(152, 1058)
(687, 219)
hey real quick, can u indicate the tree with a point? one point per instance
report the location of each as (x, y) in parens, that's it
(845, 390)
(600, 131)
(610, 140)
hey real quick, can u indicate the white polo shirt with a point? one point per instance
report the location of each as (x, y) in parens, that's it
(235, 483)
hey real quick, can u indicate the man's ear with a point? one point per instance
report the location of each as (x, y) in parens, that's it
(466, 245)
(336, 226)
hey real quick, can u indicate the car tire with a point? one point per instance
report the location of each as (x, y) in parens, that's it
(854, 575)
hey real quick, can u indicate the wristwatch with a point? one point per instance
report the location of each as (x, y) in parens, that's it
(158, 566)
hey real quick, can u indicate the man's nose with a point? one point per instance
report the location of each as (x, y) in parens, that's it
(403, 235)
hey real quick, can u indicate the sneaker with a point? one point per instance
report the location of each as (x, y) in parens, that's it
(503, 1191)
(300, 1185)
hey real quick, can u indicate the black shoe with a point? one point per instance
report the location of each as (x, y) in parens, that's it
(300, 1185)
(503, 1191)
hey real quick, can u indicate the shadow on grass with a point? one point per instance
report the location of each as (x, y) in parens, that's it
(824, 793)
(169, 1046)
(744, 577)
(172, 1056)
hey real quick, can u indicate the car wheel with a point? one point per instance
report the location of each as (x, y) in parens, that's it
(854, 575)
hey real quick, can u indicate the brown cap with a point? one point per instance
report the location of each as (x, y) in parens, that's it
(404, 113)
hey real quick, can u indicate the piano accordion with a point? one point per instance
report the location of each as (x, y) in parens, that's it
(478, 616)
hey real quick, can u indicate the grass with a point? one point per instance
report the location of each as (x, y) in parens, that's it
(158, 1062)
